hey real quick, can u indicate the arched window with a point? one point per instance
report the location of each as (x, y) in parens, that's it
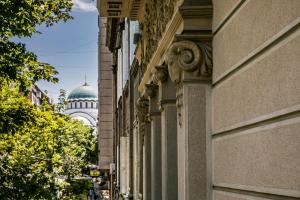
(75, 105)
(80, 104)
(92, 105)
(86, 104)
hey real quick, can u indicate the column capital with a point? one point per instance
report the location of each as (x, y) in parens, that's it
(152, 92)
(151, 89)
(142, 105)
(189, 60)
(161, 74)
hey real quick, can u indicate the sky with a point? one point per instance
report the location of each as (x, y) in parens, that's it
(70, 47)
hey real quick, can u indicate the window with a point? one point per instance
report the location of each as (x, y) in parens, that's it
(80, 104)
(75, 105)
(92, 105)
(86, 104)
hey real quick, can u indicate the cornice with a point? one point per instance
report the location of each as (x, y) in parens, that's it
(191, 12)
(178, 23)
(165, 41)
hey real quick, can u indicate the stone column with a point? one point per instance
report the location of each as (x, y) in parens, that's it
(144, 149)
(136, 164)
(167, 107)
(155, 121)
(147, 162)
(190, 68)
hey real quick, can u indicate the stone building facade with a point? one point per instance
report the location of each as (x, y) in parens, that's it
(208, 106)
(36, 96)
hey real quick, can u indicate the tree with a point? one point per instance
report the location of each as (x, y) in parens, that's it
(62, 101)
(38, 147)
(19, 18)
(37, 152)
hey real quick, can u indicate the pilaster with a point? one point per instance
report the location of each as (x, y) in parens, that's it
(144, 148)
(155, 121)
(167, 107)
(190, 68)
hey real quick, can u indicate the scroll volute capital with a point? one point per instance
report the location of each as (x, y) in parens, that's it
(191, 57)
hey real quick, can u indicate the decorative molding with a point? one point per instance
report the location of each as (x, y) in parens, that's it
(157, 16)
(192, 11)
(162, 45)
(191, 57)
(163, 102)
(179, 103)
(199, 11)
(160, 74)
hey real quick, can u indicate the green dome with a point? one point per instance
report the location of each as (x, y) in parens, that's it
(83, 92)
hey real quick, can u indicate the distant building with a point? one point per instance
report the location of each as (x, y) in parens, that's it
(36, 96)
(82, 104)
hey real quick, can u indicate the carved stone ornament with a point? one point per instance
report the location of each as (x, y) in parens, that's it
(190, 57)
(142, 105)
(157, 15)
(151, 89)
(161, 73)
(179, 103)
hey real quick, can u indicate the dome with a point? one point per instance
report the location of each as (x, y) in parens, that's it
(83, 92)
(84, 120)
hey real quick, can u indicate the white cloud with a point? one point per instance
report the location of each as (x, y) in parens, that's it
(84, 5)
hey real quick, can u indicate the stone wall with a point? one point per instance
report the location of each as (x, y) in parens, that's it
(256, 99)
(212, 108)
(105, 100)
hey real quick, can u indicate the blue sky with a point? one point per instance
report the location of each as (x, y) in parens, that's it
(70, 47)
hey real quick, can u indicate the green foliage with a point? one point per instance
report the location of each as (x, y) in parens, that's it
(41, 152)
(38, 147)
(20, 18)
(76, 189)
(60, 107)
(17, 64)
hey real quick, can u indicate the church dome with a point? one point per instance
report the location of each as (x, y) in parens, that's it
(83, 92)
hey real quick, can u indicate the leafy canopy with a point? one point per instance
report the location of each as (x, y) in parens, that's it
(39, 147)
(19, 18)
(41, 152)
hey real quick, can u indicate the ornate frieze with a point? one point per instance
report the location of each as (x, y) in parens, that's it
(157, 15)
(191, 57)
